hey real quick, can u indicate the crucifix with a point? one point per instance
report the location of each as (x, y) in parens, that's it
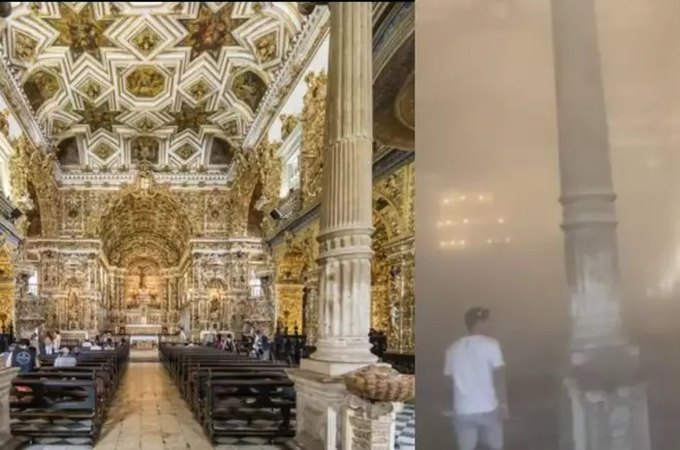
(142, 276)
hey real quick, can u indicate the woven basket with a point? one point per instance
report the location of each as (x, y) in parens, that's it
(381, 383)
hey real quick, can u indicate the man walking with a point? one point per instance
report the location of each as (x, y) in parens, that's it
(475, 365)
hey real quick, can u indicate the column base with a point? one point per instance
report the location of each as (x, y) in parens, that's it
(330, 368)
(605, 402)
(9, 442)
(369, 425)
(318, 407)
(338, 356)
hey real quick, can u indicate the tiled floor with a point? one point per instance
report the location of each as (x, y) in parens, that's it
(149, 414)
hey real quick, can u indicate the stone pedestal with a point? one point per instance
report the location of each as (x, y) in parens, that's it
(605, 419)
(6, 377)
(369, 425)
(319, 407)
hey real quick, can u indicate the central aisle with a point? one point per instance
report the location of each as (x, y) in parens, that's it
(148, 413)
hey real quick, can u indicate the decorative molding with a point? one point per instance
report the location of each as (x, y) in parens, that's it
(388, 163)
(17, 100)
(391, 34)
(303, 49)
(391, 161)
(177, 180)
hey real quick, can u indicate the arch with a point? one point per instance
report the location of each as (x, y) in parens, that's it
(145, 219)
(389, 214)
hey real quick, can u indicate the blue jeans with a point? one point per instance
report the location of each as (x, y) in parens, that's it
(474, 429)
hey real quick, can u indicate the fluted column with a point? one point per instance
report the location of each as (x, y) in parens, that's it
(346, 216)
(601, 356)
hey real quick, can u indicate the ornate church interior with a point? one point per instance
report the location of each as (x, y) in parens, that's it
(177, 171)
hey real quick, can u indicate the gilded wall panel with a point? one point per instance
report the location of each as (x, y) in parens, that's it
(313, 126)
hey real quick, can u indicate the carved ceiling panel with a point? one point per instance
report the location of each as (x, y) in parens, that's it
(112, 74)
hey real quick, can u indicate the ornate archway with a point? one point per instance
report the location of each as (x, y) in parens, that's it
(145, 232)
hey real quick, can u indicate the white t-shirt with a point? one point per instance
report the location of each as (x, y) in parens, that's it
(470, 362)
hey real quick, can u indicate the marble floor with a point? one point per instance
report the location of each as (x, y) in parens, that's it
(149, 414)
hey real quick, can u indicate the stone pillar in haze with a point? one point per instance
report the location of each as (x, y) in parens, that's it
(608, 406)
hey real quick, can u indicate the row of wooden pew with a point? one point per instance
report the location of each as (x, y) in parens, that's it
(231, 395)
(67, 402)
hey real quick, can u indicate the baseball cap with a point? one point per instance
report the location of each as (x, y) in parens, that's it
(476, 314)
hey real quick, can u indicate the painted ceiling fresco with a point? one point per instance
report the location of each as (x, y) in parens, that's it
(165, 82)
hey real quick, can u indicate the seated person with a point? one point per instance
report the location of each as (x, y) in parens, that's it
(96, 346)
(109, 344)
(87, 345)
(25, 357)
(65, 359)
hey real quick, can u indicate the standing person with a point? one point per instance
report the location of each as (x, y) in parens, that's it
(257, 343)
(475, 365)
(35, 342)
(56, 341)
(182, 335)
(229, 343)
(6, 360)
(48, 343)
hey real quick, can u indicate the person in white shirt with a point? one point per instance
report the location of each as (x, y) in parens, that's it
(182, 335)
(57, 341)
(476, 368)
(65, 359)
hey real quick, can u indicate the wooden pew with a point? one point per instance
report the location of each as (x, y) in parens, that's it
(66, 402)
(232, 395)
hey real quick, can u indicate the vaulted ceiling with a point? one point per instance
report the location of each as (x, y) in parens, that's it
(172, 83)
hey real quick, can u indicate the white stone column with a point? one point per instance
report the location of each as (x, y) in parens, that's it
(346, 205)
(608, 402)
(344, 311)
(6, 377)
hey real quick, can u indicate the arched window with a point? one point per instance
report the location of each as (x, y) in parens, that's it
(33, 285)
(255, 283)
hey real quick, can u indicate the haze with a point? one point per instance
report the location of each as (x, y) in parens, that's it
(487, 125)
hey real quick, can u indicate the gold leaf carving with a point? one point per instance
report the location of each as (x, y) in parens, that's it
(313, 126)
